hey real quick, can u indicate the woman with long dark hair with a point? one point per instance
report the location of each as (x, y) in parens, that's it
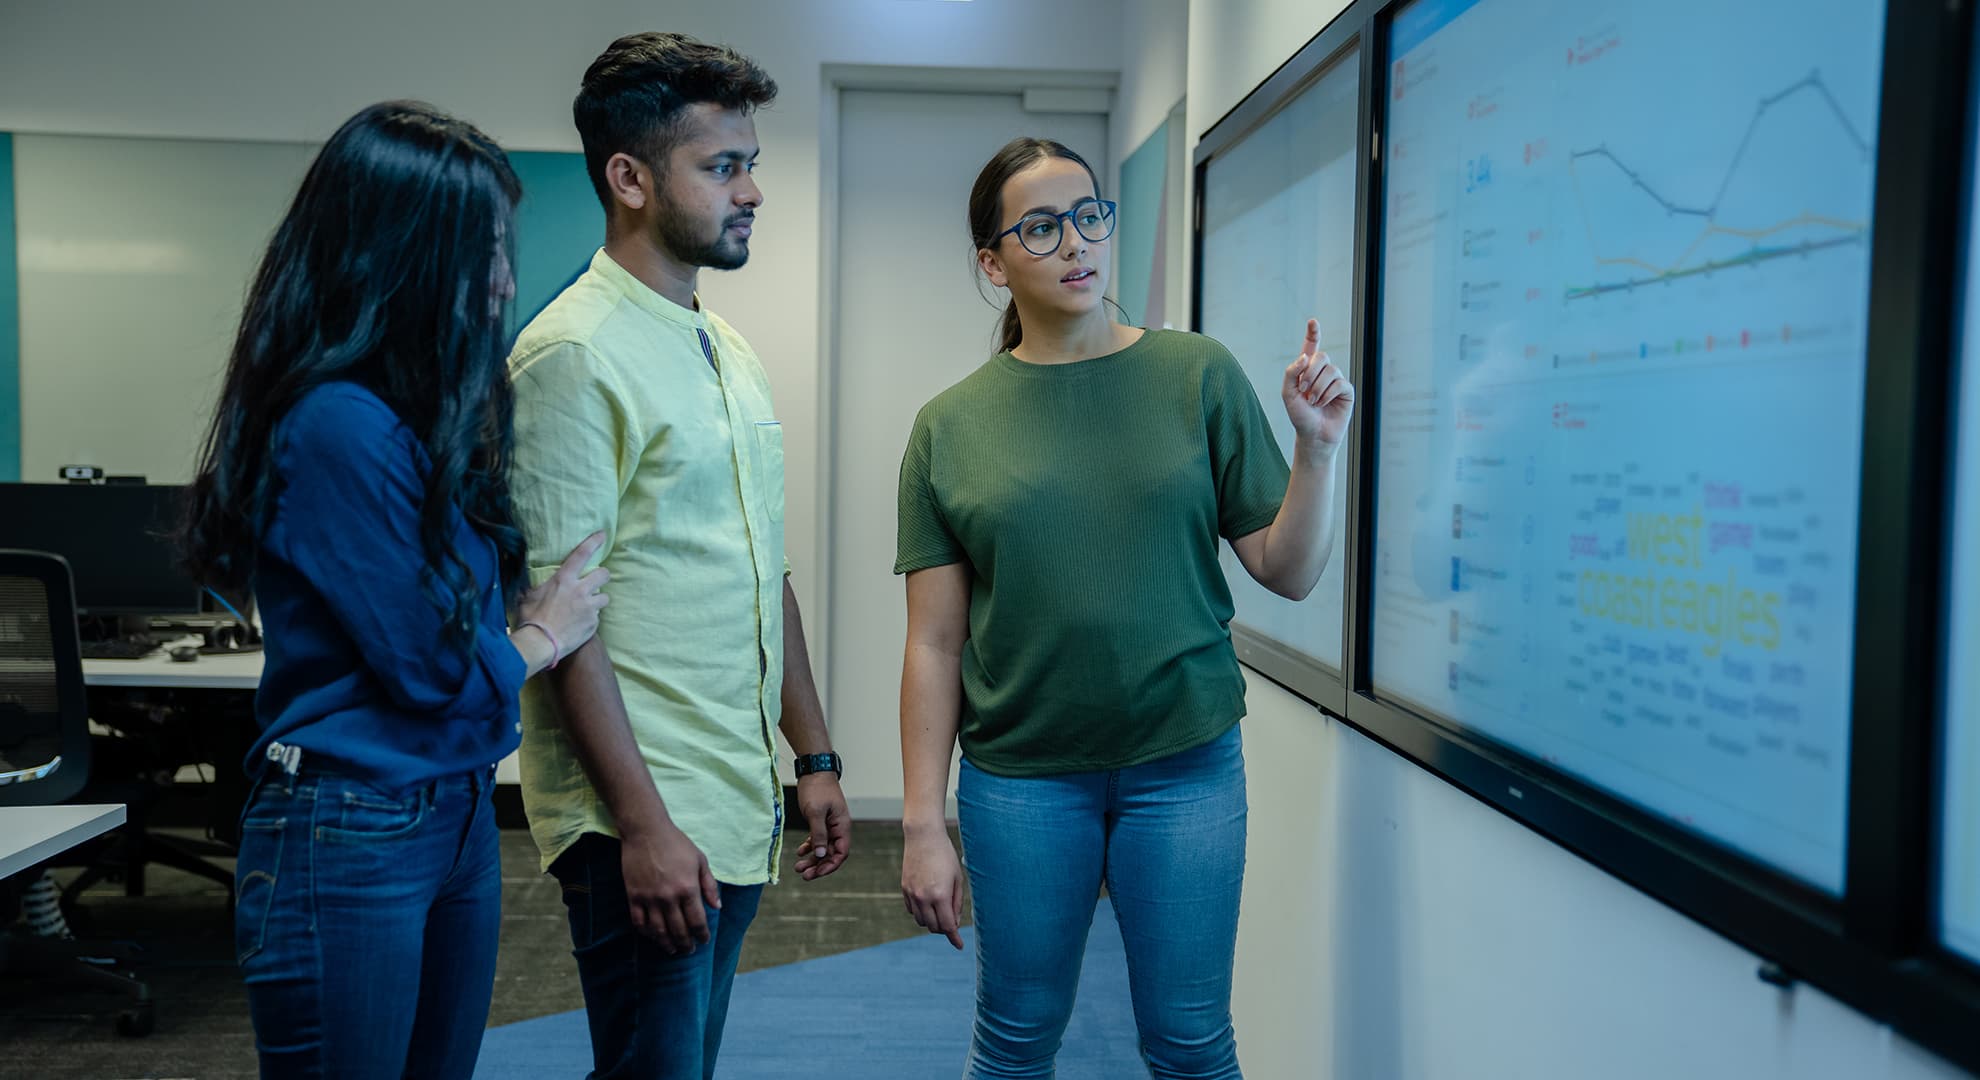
(356, 475)
(1060, 515)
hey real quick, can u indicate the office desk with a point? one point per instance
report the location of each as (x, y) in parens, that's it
(33, 834)
(225, 671)
(193, 721)
(228, 671)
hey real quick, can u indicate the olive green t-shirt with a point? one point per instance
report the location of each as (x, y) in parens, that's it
(1087, 500)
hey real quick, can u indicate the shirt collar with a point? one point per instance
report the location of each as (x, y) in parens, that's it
(645, 298)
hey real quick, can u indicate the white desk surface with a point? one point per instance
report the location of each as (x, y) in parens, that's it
(225, 671)
(231, 671)
(32, 834)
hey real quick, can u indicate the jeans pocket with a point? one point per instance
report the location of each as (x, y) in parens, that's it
(255, 876)
(594, 892)
(362, 815)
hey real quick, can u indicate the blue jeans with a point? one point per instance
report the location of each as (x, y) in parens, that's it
(653, 1016)
(1167, 839)
(366, 924)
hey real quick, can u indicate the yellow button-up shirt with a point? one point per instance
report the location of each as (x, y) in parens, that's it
(653, 422)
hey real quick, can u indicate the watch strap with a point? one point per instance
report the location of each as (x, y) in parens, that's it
(816, 763)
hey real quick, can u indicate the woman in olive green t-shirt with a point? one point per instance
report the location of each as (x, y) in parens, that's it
(1060, 511)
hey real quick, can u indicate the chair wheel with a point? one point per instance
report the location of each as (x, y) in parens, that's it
(136, 1023)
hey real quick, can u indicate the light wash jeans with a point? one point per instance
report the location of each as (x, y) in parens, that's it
(1167, 839)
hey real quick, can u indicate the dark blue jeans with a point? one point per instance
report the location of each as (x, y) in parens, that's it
(653, 1016)
(366, 924)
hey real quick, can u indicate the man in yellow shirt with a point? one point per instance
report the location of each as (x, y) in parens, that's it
(648, 760)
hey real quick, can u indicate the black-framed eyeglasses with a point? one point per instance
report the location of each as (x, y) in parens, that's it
(1041, 233)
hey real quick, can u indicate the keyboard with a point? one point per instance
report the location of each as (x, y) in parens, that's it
(118, 649)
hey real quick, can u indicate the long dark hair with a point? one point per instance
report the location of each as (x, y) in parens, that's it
(986, 208)
(382, 273)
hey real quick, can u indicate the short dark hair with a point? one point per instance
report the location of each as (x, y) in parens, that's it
(635, 92)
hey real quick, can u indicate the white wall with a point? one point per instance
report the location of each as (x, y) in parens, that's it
(1154, 75)
(1395, 927)
(240, 69)
(141, 291)
(1155, 34)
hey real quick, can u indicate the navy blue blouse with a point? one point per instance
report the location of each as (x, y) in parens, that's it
(358, 670)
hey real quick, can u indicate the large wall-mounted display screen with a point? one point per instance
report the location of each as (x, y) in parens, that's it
(1279, 248)
(1623, 293)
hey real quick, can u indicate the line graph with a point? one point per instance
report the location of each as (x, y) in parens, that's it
(1750, 258)
(1848, 231)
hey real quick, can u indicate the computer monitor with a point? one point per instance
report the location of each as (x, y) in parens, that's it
(115, 537)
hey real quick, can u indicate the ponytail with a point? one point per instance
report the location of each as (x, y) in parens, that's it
(1009, 331)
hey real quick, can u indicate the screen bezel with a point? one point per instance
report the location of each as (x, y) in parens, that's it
(1312, 677)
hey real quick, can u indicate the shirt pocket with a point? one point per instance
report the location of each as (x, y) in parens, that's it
(770, 452)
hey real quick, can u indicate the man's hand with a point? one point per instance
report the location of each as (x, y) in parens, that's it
(667, 884)
(824, 807)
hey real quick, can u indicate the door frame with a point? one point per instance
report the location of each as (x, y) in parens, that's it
(904, 79)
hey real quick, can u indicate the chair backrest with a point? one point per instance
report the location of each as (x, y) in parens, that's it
(44, 715)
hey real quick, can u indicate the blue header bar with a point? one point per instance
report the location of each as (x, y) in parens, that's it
(1418, 22)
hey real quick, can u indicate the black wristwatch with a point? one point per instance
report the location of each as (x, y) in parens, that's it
(811, 763)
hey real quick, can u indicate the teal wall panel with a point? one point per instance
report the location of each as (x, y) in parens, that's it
(558, 227)
(10, 322)
(1143, 176)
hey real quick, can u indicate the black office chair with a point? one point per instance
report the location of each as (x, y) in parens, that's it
(45, 759)
(137, 767)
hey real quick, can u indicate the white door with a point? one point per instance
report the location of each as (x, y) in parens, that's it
(910, 323)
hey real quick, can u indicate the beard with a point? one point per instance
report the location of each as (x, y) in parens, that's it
(685, 237)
